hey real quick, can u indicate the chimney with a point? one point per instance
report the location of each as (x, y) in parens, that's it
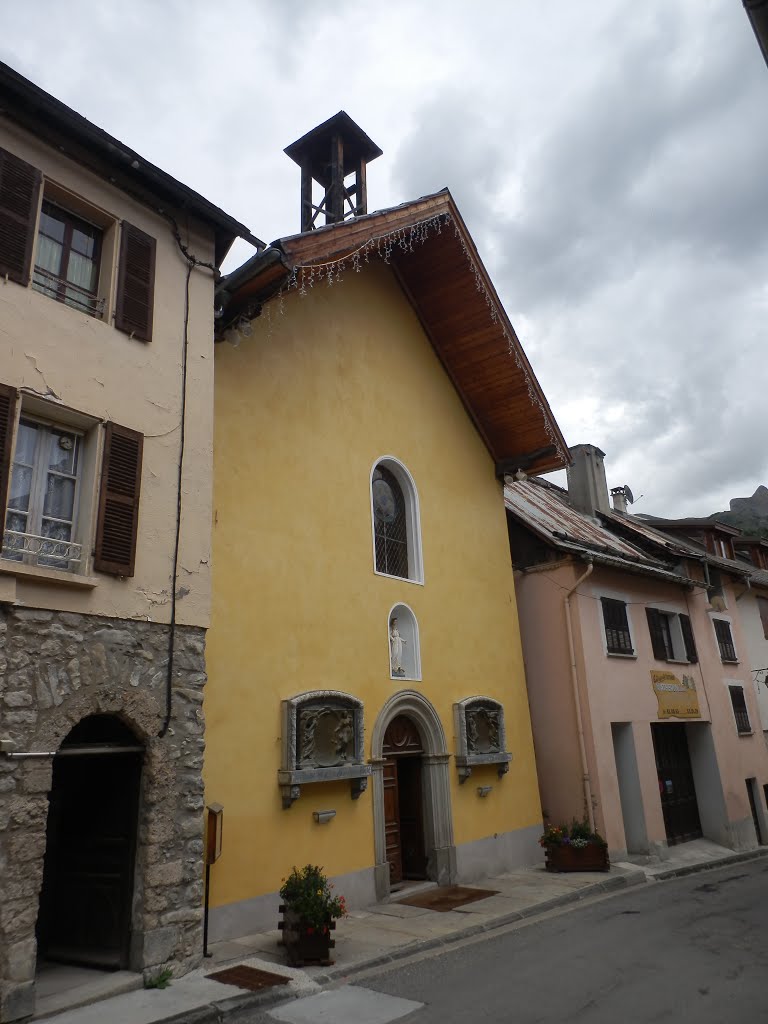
(619, 495)
(587, 487)
(328, 155)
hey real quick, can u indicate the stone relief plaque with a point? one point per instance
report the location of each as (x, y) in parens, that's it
(480, 735)
(322, 742)
(326, 737)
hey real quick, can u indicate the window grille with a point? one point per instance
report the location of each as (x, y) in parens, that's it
(390, 524)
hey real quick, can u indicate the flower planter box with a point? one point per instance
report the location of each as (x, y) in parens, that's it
(593, 857)
(304, 943)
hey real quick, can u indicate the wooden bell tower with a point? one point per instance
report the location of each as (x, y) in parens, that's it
(328, 155)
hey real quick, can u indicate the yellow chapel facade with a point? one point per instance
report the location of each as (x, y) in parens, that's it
(366, 708)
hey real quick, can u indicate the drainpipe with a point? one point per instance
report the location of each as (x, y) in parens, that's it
(576, 698)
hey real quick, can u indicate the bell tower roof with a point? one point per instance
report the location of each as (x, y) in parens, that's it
(328, 154)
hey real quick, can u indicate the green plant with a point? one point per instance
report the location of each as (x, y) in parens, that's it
(309, 894)
(578, 834)
(160, 980)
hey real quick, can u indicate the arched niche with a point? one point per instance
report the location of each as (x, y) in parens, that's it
(403, 641)
(322, 742)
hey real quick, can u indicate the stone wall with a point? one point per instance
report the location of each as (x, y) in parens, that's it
(57, 668)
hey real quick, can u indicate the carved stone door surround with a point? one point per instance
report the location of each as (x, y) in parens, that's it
(438, 819)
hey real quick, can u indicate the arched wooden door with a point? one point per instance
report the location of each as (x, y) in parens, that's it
(85, 902)
(403, 806)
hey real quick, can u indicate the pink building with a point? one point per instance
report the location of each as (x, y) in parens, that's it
(643, 707)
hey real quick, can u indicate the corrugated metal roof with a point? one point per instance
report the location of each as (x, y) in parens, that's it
(545, 510)
(551, 517)
(676, 545)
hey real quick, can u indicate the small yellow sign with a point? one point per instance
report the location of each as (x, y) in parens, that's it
(677, 698)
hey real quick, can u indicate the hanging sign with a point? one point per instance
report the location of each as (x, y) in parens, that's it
(677, 697)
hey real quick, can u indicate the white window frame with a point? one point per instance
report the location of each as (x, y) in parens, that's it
(676, 634)
(52, 416)
(412, 518)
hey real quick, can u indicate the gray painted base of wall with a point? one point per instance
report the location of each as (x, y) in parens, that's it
(490, 856)
(261, 914)
(496, 854)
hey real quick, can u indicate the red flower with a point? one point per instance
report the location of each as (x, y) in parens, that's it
(310, 930)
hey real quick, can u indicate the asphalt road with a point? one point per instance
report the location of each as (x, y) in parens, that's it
(692, 949)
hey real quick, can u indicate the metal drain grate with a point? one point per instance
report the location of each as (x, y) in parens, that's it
(248, 977)
(447, 897)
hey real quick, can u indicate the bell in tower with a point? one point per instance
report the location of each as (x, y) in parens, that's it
(330, 154)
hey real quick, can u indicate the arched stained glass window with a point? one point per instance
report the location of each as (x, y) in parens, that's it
(390, 525)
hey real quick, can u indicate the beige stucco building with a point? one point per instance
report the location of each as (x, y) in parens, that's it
(107, 269)
(642, 701)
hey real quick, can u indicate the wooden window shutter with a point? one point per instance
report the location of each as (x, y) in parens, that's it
(136, 283)
(656, 630)
(19, 197)
(690, 644)
(7, 420)
(617, 636)
(118, 518)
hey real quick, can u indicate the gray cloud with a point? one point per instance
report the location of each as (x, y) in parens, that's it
(609, 159)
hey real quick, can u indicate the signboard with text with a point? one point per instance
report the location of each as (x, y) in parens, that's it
(677, 697)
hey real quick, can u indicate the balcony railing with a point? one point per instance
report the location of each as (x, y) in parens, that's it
(33, 549)
(64, 291)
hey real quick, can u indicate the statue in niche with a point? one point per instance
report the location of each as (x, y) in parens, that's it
(345, 731)
(308, 720)
(396, 649)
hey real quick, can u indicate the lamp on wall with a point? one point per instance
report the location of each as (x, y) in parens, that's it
(483, 791)
(323, 817)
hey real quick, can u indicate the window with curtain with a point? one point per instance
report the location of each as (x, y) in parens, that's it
(67, 259)
(42, 499)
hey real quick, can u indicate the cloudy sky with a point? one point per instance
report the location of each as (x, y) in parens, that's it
(610, 159)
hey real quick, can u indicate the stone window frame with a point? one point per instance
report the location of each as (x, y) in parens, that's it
(466, 758)
(291, 777)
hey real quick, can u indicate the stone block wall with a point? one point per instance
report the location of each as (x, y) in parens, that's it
(57, 668)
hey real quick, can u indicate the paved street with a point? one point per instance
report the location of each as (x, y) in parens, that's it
(691, 949)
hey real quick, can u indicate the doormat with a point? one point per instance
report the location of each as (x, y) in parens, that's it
(447, 897)
(248, 977)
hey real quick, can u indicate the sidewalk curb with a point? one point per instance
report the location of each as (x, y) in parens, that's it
(613, 884)
(710, 865)
(238, 1008)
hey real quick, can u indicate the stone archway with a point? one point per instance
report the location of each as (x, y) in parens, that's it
(438, 819)
(86, 899)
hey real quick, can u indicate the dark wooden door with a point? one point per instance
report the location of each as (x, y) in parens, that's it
(392, 822)
(85, 902)
(403, 808)
(411, 817)
(676, 786)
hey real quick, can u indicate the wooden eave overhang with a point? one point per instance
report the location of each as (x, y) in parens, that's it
(458, 307)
